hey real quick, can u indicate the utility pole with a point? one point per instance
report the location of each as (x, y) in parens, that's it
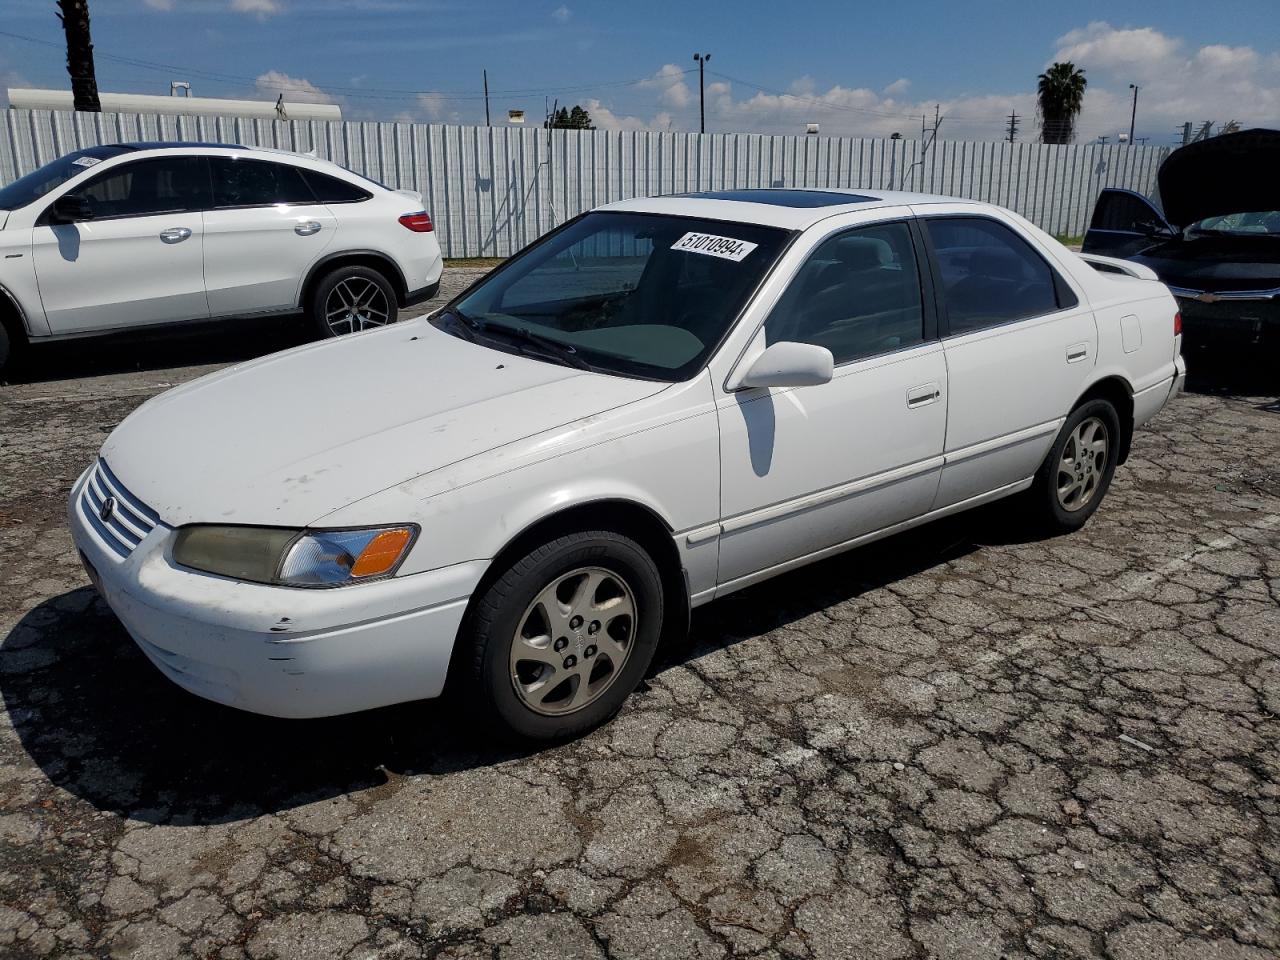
(1134, 115)
(486, 98)
(74, 15)
(702, 59)
(1013, 125)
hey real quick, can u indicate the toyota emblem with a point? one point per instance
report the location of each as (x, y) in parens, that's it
(107, 510)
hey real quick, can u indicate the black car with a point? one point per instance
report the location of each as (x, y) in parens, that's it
(1213, 237)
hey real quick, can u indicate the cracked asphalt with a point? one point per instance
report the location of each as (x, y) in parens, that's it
(958, 743)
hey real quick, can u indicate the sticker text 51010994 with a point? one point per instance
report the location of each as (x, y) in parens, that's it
(710, 245)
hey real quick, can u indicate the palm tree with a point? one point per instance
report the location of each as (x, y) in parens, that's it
(1060, 95)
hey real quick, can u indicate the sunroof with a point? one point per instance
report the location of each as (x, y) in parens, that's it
(785, 198)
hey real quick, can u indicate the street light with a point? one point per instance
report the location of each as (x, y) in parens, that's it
(1134, 115)
(702, 59)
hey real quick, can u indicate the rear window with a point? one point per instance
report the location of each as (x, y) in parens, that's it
(332, 190)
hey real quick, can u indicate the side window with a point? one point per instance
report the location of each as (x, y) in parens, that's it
(990, 275)
(858, 295)
(332, 190)
(147, 188)
(256, 183)
(1119, 211)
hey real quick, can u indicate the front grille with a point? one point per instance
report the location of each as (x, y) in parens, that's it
(128, 520)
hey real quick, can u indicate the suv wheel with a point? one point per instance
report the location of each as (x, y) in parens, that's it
(1076, 474)
(351, 299)
(563, 635)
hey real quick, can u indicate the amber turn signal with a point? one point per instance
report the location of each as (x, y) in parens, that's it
(382, 553)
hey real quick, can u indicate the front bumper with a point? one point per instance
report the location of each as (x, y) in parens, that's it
(280, 651)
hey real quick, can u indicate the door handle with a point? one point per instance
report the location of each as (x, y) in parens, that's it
(306, 228)
(175, 234)
(1077, 352)
(923, 395)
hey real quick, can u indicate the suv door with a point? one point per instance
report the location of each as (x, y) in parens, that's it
(1124, 223)
(808, 469)
(139, 260)
(1020, 345)
(262, 235)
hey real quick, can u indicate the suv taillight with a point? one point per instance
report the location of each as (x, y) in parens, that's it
(1177, 324)
(419, 222)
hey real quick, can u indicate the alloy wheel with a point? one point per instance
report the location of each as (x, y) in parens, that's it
(356, 303)
(1084, 460)
(573, 641)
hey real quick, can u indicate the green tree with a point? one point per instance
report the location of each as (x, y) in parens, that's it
(566, 119)
(1059, 96)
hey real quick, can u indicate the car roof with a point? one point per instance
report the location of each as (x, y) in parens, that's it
(790, 208)
(180, 145)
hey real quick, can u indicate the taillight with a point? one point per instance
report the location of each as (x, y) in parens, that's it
(419, 222)
(1177, 324)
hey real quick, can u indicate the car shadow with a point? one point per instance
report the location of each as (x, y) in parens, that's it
(220, 342)
(1244, 371)
(105, 726)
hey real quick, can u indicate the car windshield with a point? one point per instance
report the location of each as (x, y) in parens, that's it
(38, 182)
(635, 294)
(1258, 223)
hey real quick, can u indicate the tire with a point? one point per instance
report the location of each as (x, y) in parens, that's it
(1068, 487)
(352, 285)
(5, 349)
(530, 692)
(13, 346)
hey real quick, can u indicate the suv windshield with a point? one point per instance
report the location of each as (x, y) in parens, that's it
(636, 294)
(1260, 223)
(52, 175)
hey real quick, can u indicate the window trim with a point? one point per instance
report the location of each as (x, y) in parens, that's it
(45, 217)
(924, 276)
(213, 193)
(1060, 285)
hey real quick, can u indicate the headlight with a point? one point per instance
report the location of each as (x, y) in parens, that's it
(297, 558)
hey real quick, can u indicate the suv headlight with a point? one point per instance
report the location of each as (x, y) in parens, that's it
(295, 558)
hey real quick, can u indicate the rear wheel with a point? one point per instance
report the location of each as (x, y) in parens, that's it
(1077, 473)
(350, 299)
(560, 639)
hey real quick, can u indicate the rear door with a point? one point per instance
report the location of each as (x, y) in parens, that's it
(1124, 223)
(263, 233)
(1020, 343)
(138, 261)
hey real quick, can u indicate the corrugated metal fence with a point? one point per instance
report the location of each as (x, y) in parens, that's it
(492, 190)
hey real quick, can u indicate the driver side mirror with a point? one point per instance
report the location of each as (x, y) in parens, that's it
(1154, 228)
(789, 364)
(71, 209)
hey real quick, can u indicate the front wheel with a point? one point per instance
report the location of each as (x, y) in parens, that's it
(564, 634)
(350, 299)
(1077, 473)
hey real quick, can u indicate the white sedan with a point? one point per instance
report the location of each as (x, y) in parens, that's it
(659, 403)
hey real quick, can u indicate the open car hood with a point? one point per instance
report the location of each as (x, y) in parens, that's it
(1233, 173)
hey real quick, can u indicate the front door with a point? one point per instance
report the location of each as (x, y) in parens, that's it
(810, 468)
(263, 234)
(139, 260)
(1123, 224)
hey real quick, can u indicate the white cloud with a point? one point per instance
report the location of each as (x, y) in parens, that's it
(296, 89)
(259, 8)
(561, 14)
(1178, 81)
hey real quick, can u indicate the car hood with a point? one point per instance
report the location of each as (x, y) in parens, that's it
(1234, 173)
(287, 439)
(1216, 263)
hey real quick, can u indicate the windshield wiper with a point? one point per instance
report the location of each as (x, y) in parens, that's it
(463, 324)
(561, 351)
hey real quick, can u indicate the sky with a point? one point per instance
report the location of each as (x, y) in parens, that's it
(853, 67)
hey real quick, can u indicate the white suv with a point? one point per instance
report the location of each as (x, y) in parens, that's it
(126, 235)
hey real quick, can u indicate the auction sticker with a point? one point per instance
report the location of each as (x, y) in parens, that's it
(85, 161)
(710, 245)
